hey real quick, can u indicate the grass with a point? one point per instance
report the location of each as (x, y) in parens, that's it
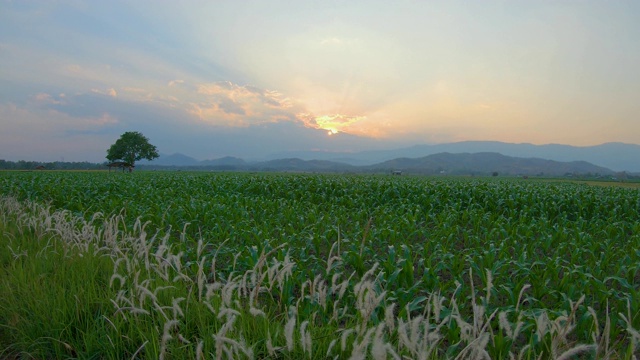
(54, 297)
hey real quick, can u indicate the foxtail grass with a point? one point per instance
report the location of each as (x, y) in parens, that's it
(77, 288)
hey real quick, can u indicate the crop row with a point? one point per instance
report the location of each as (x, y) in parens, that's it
(559, 241)
(149, 305)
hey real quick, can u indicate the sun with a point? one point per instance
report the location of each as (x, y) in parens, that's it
(332, 132)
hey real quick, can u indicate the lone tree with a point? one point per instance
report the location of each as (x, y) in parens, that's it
(131, 147)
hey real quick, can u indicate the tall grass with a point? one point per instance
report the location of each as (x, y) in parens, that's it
(96, 288)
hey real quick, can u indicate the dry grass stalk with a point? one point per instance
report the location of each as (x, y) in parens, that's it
(143, 266)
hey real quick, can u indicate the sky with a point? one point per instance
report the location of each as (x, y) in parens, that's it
(250, 78)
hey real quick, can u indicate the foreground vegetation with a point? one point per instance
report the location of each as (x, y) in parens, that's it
(307, 266)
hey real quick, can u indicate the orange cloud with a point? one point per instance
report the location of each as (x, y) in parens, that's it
(334, 123)
(227, 103)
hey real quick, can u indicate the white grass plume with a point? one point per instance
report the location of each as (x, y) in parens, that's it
(288, 330)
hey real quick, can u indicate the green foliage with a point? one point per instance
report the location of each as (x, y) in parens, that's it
(131, 147)
(53, 301)
(54, 165)
(539, 264)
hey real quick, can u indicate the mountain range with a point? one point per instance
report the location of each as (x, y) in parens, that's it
(464, 158)
(488, 162)
(615, 156)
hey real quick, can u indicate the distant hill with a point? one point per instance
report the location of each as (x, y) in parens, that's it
(614, 156)
(486, 163)
(302, 165)
(171, 160)
(181, 160)
(225, 161)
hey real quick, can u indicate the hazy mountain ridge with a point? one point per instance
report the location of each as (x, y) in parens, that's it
(442, 163)
(224, 161)
(172, 160)
(295, 164)
(488, 162)
(614, 156)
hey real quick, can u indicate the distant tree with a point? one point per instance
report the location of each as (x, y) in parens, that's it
(495, 173)
(622, 176)
(131, 147)
(56, 165)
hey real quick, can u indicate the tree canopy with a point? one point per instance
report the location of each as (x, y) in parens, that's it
(131, 147)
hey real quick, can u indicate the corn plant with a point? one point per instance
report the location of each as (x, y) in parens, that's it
(293, 266)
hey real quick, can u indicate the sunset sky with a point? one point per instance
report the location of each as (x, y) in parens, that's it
(250, 78)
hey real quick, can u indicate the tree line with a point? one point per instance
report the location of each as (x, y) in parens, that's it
(129, 148)
(55, 165)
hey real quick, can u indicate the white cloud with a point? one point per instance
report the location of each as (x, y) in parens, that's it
(226, 103)
(109, 92)
(44, 98)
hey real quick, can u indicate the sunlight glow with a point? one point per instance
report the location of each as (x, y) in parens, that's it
(336, 123)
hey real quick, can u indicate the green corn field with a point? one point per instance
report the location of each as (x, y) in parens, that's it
(293, 266)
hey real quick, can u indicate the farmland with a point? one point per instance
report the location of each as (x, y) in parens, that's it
(313, 266)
